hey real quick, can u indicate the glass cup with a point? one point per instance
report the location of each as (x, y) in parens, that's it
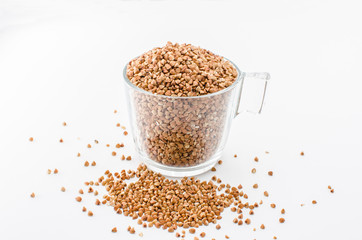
(185, 136)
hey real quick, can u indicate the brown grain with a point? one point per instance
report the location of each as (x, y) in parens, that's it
(185, 132)
(119, 145)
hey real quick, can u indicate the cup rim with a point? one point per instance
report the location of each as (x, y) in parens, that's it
(232, 86)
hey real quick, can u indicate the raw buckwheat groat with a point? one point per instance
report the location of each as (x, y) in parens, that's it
(182, 131)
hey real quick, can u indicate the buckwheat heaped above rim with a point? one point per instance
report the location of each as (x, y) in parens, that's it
(181, 70)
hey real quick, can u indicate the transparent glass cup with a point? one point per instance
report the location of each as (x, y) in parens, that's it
(185, 136)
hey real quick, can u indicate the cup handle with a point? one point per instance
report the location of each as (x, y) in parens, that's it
(262, 78)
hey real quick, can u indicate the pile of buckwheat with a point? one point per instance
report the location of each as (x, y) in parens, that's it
(167, 203)
(172, 129)
(181, 70)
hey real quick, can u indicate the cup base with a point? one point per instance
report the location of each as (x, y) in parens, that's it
(180, 171)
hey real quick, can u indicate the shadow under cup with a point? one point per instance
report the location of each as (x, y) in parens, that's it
(181, 136)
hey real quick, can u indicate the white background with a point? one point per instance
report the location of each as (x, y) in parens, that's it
(62, 61)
